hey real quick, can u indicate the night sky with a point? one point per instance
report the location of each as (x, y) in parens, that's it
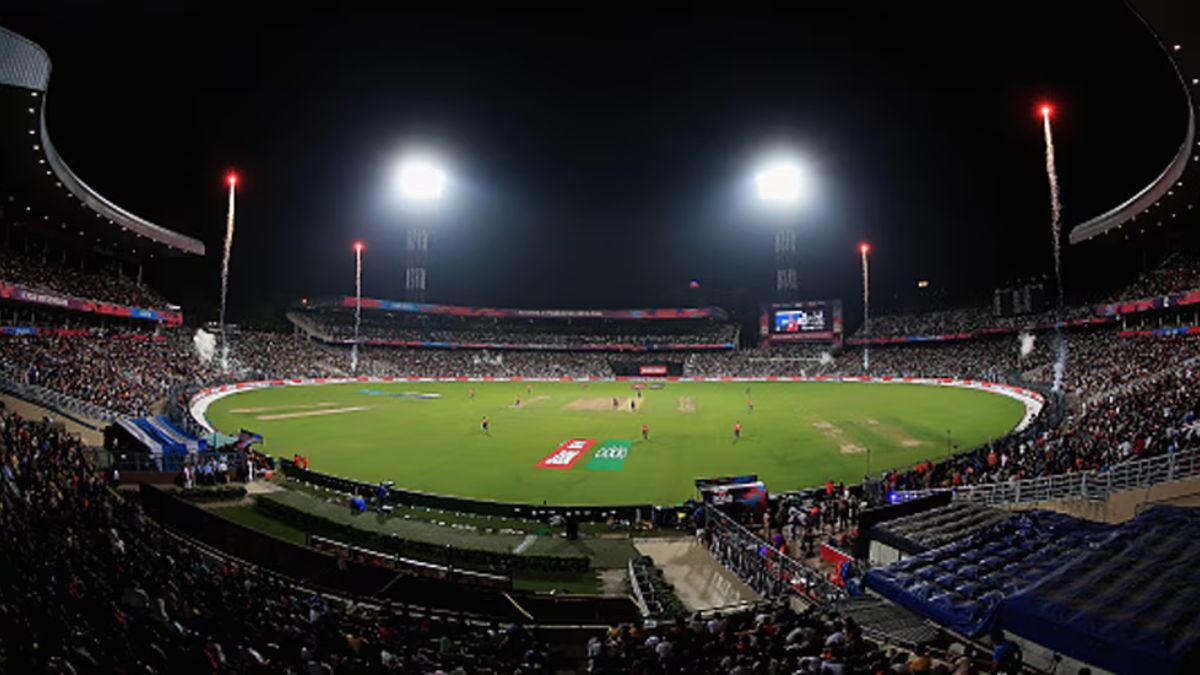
(603, 160)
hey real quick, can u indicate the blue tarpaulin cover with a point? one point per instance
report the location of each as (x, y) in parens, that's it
(936, 527)
(1131, 605)
(961, 585)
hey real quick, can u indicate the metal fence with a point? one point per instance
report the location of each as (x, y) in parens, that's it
(632, 513)
(762, 566)
(1130, 475)
(235, 461)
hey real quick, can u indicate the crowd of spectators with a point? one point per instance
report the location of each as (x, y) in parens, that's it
(386, 326)
(74, 282)
(1179, 273)
(1150, 418)
(130, 373)
(1098, 363)
(96, 586)
(127, 373)
(1137, 396)
(968, 320)
(772, 638)
(984, 358)
(272, 355)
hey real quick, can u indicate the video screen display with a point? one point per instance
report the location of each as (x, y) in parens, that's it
(807, 320)
(802, 321)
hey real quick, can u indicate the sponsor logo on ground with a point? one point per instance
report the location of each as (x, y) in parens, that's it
(610, 456)
(566, 454)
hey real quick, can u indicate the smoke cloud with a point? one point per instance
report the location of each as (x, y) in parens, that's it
(1027, 340)
(205, 344)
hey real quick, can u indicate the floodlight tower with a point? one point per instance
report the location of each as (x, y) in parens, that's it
(783, 185)
(420, 184)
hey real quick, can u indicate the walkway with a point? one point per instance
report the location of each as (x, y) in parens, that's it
(699, 581)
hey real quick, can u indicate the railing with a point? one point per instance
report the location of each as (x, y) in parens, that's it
(1131, 475)
(762, 566)
(54, 400)
(414, 498)
(639, 597)
(235, 461)
(417, 568)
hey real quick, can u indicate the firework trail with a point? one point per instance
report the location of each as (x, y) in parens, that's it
(358, 248)
(1060, 364)
(866, 281)
(225, 271)
(1055, 204)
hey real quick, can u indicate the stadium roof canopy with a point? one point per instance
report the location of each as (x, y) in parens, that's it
(1173, 25)
(38, 189)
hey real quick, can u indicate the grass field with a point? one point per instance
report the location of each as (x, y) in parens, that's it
(798, 434)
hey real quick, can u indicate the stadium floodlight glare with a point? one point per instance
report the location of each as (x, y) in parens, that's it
(782, 182)
(420, 180)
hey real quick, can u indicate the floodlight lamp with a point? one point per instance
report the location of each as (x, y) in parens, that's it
(420, 180)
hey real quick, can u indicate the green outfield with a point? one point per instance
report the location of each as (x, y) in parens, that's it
(427, 436)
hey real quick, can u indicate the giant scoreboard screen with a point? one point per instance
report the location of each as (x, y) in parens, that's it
(815, 320)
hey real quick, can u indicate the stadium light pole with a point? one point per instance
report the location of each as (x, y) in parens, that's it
(784, 185)
(358, 249)
(420, 183)
(865, 248)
